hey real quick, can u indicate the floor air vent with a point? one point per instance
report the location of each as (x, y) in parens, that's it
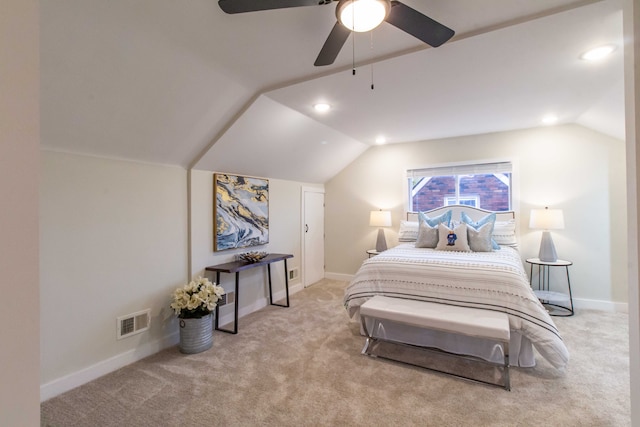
(134, 323)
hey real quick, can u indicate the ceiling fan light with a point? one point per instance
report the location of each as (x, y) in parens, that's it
(362, 15)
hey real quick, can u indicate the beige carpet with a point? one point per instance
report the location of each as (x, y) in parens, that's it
(301, 366)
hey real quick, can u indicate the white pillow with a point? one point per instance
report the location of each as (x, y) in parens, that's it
(504, 233)
(453, 240)
(408, 231)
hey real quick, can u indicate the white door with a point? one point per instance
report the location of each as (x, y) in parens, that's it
(313, 236)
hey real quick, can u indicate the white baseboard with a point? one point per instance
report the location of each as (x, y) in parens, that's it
(259, 304)
(90, 373)
(338, 276)
(292, 290)
(610, 306)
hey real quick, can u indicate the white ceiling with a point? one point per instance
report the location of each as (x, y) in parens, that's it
(184, 83)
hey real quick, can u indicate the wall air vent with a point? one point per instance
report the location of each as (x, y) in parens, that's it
(134, 323)
(227, 298)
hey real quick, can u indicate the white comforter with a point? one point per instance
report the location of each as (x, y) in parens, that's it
(487, 280)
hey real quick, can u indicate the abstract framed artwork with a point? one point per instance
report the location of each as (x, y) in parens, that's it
(240, 211)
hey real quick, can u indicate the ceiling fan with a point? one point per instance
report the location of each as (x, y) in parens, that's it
(349, 14)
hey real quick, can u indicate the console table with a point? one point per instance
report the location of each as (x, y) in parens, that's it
(237, 267)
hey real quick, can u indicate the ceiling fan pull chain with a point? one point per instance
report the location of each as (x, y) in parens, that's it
(353, 53)
(372, 77)
(371, 34)
(353, 44)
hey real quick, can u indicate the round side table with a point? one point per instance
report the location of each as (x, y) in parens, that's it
(558, 303)
(372, 252)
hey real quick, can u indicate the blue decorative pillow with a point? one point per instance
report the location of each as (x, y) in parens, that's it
(445, 219)
(489, 219)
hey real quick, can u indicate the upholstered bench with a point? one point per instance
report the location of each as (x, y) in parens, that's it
(484, 324)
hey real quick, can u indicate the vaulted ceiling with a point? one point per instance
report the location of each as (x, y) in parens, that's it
(183, 83)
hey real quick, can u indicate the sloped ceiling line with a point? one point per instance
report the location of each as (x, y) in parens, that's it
(333, 71)
(224, 130)
(156, 82)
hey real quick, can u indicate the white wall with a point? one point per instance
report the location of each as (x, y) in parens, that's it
(631, 27)
(567, 167)
(19, 153)
(113, 241)
(284, 237)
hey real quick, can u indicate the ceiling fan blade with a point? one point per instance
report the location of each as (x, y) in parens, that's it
(331, 48)
(418, 25)
(240, 6)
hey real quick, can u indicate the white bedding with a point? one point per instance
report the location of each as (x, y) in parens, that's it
(487, 280)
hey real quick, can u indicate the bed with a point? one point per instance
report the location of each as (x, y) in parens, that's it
(490, 280)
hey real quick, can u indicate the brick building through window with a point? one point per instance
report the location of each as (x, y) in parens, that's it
(430, 188)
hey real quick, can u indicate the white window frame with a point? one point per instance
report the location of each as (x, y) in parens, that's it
(452, 200)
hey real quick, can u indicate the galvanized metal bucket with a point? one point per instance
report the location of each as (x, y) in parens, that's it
(196, 335)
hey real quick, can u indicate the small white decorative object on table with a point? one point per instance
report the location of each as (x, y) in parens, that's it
(253, 256)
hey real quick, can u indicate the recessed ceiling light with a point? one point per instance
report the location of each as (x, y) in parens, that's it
(598, 53)
(381, 140)
(550, 119)
(322, 107)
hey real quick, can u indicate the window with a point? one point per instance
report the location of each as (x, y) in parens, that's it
(462, 200)
(486, 186)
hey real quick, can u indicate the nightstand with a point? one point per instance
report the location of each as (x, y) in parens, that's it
(372, 252)
(558, 303)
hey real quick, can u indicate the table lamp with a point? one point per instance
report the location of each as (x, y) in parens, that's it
(380, 219)
(547, 219)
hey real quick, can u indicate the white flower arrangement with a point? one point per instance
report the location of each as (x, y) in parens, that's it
(196, 299)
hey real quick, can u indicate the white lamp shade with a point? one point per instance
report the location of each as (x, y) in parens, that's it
(546, 219)
(362, 15)
(380, 219)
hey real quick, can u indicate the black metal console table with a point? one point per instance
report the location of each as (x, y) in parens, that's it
(237, 267)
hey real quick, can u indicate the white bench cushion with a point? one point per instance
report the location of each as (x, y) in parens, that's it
(447, 318)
